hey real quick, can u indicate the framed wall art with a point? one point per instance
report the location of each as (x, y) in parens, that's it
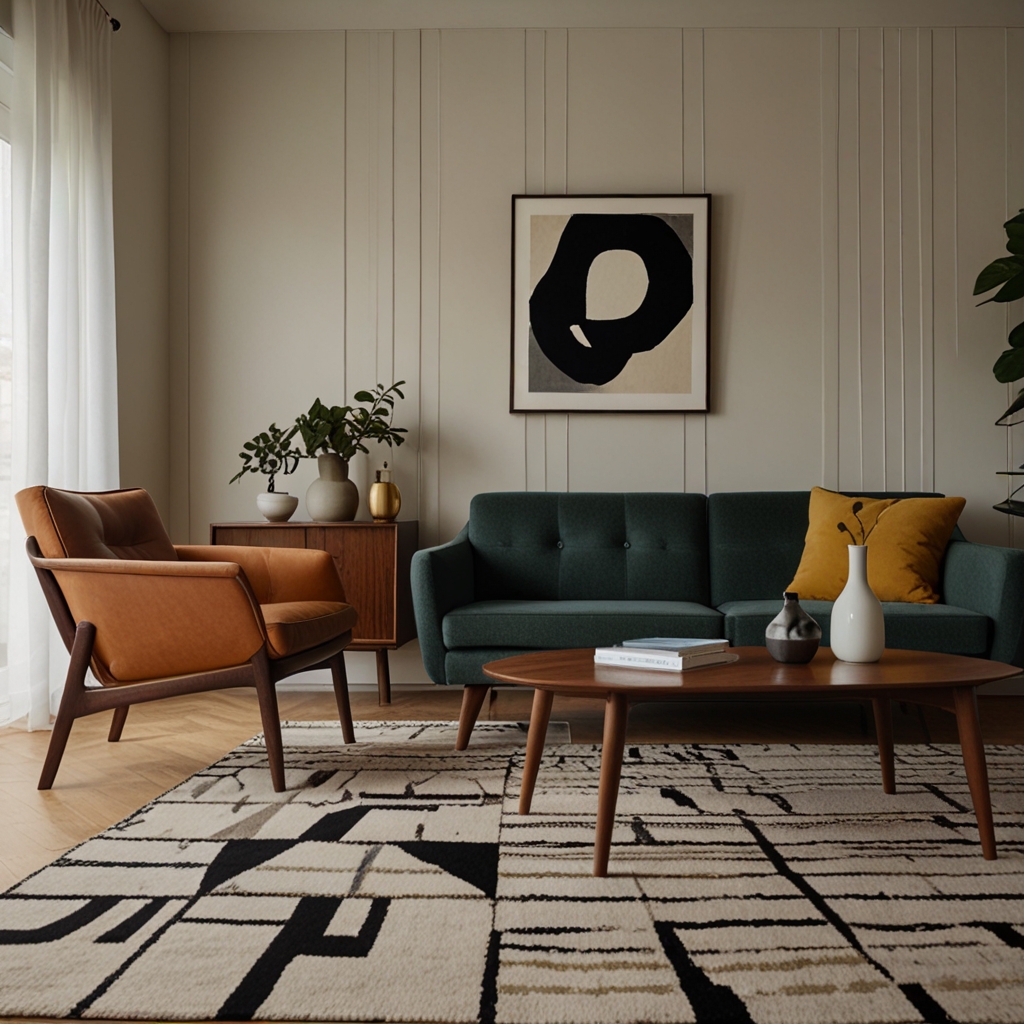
(610, 303)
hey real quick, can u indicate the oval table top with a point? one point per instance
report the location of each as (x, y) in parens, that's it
(573, 672)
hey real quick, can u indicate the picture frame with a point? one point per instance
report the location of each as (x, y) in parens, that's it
(610, 303)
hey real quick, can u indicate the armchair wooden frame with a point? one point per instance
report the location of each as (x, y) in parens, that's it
(260, 671)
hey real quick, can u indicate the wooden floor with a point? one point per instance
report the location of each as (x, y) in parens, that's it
(99, 783)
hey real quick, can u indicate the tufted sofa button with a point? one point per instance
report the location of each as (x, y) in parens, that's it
(626, 544)
(559, 545)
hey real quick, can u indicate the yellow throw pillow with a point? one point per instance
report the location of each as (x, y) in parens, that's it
(906, 539)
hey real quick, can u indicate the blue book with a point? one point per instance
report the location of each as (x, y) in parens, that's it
(678, 645)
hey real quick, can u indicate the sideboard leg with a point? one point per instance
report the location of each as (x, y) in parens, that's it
(883, 731)
(472, 701)
(616, 711)
(973, 749)
(383, 677)
(539, 717)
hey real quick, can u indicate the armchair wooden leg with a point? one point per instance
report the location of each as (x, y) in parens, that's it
(340, 678)
(271, 718)
(120, 714)
(472, 701)
(70, 701)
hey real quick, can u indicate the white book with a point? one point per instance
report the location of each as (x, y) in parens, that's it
(626, 658)
(678, 645)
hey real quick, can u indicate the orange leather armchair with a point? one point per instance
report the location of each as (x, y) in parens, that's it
(154, 619)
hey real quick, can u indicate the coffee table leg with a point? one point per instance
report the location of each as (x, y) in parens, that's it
(534, 746)
(616, 711)
(883, 730)
(973, 750)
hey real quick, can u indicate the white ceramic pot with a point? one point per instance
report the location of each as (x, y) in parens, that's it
(332, 497)
(277, 506)
(858, 626)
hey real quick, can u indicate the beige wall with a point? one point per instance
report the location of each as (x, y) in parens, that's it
(340, 215)
(140, 100)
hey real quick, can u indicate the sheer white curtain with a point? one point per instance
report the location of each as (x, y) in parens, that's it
(64, 366)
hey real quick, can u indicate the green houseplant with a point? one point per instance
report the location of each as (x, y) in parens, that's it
(1007, 274)
(270, 452)
(333, 435)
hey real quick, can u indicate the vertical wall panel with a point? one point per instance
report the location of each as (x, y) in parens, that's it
(1014, 203)
(829, 42)
(616, 134)
(766, 429)
(849, 304)
(406, 293)
(178, 296)
(556, 148)
(968, 448)
(535, 150)
(925, 121)
(266, 250)
(695, 424)
(482, 140)
(430, 287)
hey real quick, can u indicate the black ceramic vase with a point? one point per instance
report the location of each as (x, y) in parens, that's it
(792, 636)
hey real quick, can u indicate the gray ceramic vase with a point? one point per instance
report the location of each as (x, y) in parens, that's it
(792, 637)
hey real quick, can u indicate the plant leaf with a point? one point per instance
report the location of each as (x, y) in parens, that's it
(1009, 366)
(1017, 405)
(998, 271)
(1014, 237)
(1016, 338)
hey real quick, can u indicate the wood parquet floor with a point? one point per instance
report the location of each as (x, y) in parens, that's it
(164, 742)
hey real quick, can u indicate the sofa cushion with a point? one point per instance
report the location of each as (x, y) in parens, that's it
(555, 624)
(547, 547)
(938, 627)
(294, 626)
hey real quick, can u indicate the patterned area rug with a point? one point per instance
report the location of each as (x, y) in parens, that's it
(395, 881)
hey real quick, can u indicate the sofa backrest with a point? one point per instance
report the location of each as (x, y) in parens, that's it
(552, 546)
(756, 538)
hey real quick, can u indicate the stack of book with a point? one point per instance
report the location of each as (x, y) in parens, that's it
(666, 653)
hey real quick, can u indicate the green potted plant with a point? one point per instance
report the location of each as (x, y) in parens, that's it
(270, 452)
(333, 435)
(1007, 274)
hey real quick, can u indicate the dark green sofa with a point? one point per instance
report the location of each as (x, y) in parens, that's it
(541, 570)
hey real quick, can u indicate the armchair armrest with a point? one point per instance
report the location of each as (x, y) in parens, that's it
(275, 574)
(989, 580)
(442, 579)
(157, 619)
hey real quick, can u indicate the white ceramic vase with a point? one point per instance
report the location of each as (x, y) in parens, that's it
(858, 626)
(332, 497)
(276, 506)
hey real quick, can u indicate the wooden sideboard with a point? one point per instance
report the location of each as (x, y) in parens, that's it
(373, 559)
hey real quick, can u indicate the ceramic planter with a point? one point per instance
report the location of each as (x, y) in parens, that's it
(332, 497)
(277, 506)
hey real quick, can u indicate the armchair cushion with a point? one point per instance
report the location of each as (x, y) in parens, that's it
(108, 524)
(276, 575)
(294, 626)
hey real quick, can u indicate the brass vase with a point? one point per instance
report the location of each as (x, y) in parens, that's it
(385, 499)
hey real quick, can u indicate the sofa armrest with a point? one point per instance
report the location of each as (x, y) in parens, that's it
(155, 619)
(276, 574)
(442, 579)
(989, 580)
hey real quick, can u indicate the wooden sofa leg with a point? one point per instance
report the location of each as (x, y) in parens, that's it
(70, 701)
(473, 698)
(120, 714)
(340, 678)
(271, 718)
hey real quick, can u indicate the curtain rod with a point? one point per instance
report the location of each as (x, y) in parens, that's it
(114, 23)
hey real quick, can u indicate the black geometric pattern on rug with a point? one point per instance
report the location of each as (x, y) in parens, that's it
(395, 880)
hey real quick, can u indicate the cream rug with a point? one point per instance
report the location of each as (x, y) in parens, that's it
(395, 881)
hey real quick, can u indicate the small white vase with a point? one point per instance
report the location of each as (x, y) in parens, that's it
(277, 506)
(858, 626)
(332, 497)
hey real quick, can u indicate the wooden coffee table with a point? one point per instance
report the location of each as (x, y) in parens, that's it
(944, 680)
